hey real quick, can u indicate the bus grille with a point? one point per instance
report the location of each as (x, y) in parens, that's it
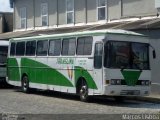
(130, 92)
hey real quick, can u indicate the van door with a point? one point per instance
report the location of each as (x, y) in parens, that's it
(98, 67)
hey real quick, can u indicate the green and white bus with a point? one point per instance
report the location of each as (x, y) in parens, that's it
(88, 63)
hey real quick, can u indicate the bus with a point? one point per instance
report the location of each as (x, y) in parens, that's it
(87, 63)
(3, 61)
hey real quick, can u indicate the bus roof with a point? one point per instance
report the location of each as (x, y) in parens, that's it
(83, 33)
(4, 43)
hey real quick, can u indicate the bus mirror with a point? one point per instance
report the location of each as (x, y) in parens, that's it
(154, 54)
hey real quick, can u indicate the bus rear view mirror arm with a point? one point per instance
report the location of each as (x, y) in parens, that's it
(153, 52)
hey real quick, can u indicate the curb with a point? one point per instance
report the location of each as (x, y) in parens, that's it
(145, 99)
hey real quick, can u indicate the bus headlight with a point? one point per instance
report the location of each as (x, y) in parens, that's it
(115, 82)
(118, 82)
(142, 82)
(145, 82)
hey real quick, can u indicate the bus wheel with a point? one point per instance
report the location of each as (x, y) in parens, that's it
(83, 92)
(25, 84)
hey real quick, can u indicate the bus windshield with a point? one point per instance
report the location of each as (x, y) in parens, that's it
(3, 54)
(126, 55)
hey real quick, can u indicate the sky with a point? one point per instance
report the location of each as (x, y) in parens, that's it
(5, 6)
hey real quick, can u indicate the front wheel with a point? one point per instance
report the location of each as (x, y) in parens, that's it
(83, 92)
(25, 84)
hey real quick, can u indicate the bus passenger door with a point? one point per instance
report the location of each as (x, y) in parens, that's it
(98, 67)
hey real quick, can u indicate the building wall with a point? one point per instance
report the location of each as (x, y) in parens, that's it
(38, 22)
(85, 11)
(52, 12)
(114, 9)
(61, 12)
(80, 11)
(138, 8)
(91, 11)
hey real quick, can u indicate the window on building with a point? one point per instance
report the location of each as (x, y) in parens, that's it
(30, 48)
(84, 46)
(44, 14)
(23, 18)
(69, 46)
(55, 47)
(42, 48)
(20, 48)
(70, 11)
(12, 49)
(101, 9)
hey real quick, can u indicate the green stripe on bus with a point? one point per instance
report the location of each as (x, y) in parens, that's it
(81, 72)
(41, 73)
(13, 70)
(37, 72)
(131, 77)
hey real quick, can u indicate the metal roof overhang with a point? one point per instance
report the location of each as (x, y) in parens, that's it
(127, 25)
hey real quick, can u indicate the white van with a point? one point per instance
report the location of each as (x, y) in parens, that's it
(3, 60)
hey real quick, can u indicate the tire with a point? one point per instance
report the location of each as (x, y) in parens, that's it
(83, 92)
(25, 84)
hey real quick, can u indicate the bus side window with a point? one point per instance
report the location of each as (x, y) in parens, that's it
(30, 48)
(20, 48)
(84, 45)
(42, 48)
(12, 49)
(69, 46)
(54, 47)
(98, 55)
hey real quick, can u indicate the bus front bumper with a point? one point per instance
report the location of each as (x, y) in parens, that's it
(115, 90)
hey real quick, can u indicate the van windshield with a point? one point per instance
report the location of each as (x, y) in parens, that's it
(127, 55)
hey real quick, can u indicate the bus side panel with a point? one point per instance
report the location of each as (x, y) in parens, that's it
(83, 68)
(44, 73)
(52, 74)
(28, 68)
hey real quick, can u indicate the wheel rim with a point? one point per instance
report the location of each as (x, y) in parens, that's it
(84, 92)
(25, 83)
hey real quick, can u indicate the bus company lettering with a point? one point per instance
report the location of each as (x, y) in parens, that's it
(65, 61)
(82, 62)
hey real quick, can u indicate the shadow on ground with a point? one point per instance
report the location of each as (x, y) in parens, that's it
(101, 100)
